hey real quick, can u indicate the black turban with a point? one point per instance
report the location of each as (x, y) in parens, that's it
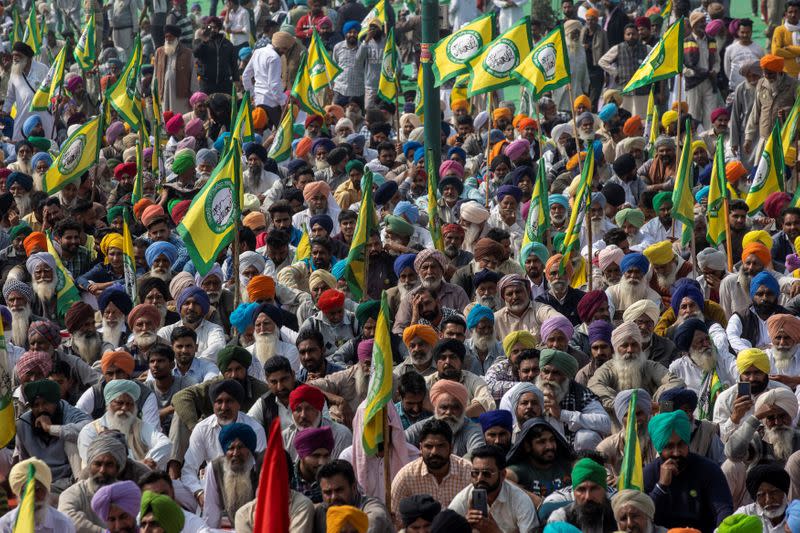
(418, 506)
(768, 473)
(44, 388)
(614, 193)
(154, 283)
(23, 49)
(685, 333)
(624, 164)
(256, 149)
(230, 386)
(449, 521)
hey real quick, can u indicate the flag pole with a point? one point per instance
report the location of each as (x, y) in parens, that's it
(488, 146)
(387, 460)
(728, 245)
(588, 221)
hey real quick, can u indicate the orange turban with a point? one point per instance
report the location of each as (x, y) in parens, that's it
(314, 188)
(527, 123)
(459, 103)
(573, 161)
(140, 206)
(303, 147)
(453, 388)
(772, 63)
(632, 126)
(255, 219)
(502, 112)
(426, 333)
(35, 240)
(517, 120)
(788, 324)
(684, 107)
(583, 99)
(734, 170)
(120, 359)
(760, 251)
(259, 118)
(260, 287)
(335, 110)
(554, 260)
(592, 12)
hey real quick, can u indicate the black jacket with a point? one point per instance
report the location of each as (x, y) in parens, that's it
(217, 64)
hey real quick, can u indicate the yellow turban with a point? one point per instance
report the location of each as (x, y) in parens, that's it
(752, 357)
(796, 243)
(19, 475)
(324, 276)
(699, 145)
(518, 337)
(584, 100)
(111, 240)
(339, 515)
(426, 333)
(660, 253)
(757, 236)
(668, 118)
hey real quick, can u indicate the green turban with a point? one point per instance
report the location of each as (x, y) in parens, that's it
(20, 230)
(44, 388)
(168, 514)
(740, 523)
(558, 240)
(662, 426)
(184, 159)
(536, 248)
(354, 163)
(588, 470)
(40, 143)
(660, 198)
(632, 216)
(399, 226)
(367, 310)
(561, 360)
(233, 353)
(114, 212)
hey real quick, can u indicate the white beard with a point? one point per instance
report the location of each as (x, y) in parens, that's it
(558, 220)
(237, 487)
(744, 281)
(783, 358)
(170, 48)
(23, 204)
(629, 371)
(162, 311)
(492, 302)
(432, 285)
(112, 334)
(87, 346)
(19, 68)
(781, 439)
(482, 343)
(45, 290)
(20, 320)
(705, 359)
(559, 390)
(421, 360)
(160, 274)
(772, 514)
(586, 135)
(597, 229)
(629, 294)
(455, 423)
(145, 340)
(265, 344)
(471, 234)
(214, 296)
(120, 421)
(362, 383)
(404, 288)
(665, 282)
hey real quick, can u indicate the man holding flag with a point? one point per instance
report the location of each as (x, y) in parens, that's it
(30, 482)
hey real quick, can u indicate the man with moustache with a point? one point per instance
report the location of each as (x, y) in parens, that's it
(306, 404)
(268, 321)
(160, 257)
(163, 382)
(559, 295)
(19, 299)
(314, 447)
(634, 511)
(498, 427)
(613, 446)
(143, 323)
(667, 267)
(45, 517)
(85, 341)
(26, 75)
(773, 97)
(114, 305)
(591, 510)
(42, 268)
(449, 354)
(453, 236)
(540, 458)
(118, 505)
(662, 227)
(747, 329)
(632, 288)
(532, 258)
(173, 71)
(281, 381)
(784, 331)
(407, 280)
(346, 389)
(193, 305)
(184, 345)
(483, 348)
(629, 369)
(44, 336)
(221, 298)
(734, 291)
(419, 340)
(768, 487)
(520, 312)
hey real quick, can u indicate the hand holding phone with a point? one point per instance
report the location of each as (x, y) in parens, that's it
(480, 501)
(743, 388)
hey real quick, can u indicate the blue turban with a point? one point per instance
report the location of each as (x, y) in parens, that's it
(356, 139)
(498, 418)
(766, 279)
(599, 330)
(338, 269)
(496, 136)
(663, 425)
(685, 333)
(485, 275)
(350, 25)
(793, 516)
(478, 313)
(323, 220)
(457, 151)
(410, 146)
(30, 123)
(159, 248)
(558, 199)
(206, 156)
(607, 112)
(115, 294)
(636, 260)
(322, 142)
(536, 248)
(683, 288)
(219, 144)
(419, 153)
(25, 181)
(115, 387)
(560, 527)
(245, 52)
(702, 193)
(244, 315)
(257, 149)
(240, 431)
(508, 190)
(41, 156)
(199, 296)
(403, 262)
(407, 209)
(680, 397)
(385, 192)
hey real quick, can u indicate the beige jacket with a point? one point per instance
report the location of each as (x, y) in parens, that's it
(301, 515)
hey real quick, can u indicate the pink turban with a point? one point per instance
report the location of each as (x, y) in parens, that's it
(453, 167)
(40, 362)
(517, 149)
(314, 188)
(198, 98)
(626, 330)
(453, 388)
(714, 27)
(194, 128)
(74, 82)
(124, 494)
(364, 350)
(556, 323)
(608, 255)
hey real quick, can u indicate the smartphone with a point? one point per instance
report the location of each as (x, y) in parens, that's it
(743, 388)
(666, 406)
(480, 501)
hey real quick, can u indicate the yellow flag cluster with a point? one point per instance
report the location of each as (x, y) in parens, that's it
(451, 55)
(492, 68)
(664, 61)
(769, 173)
(547, 66)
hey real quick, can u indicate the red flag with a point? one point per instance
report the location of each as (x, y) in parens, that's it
(272, 506)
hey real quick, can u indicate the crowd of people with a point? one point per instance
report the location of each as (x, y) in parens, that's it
(516, 364)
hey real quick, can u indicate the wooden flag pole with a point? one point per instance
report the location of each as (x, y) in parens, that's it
(387, 460)
(575, 128)
(588, 221)
(728, 245)
(488, 146)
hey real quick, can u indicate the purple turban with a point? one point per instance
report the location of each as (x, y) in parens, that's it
(124, 494)
(517, 149)
(197, 98)
(199, 296)
(310, 439)
(556, 323)
(599, 330)
(498, 418)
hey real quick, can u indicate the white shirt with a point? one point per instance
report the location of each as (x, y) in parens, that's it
(513, 510)
(738, 55)
(692, 375)
(238, 20)
(158, 445)
(654, 231)
(738, 343)
(149, 410)
(54, 522)
(284, 349)
(766, 524)
(20, 92)
(262, 77)
(204, 447)
(724, 406)
(210, 338)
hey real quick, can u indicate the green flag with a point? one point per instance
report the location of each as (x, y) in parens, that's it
(682, 197)
(355, 266)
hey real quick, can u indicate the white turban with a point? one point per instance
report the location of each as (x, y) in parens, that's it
(642, 307)
(781, 398)
(474, 212)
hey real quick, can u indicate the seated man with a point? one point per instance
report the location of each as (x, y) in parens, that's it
(784, 331)
(193, 306)
(768, 487)
(632, 287)
(705, 434)
(667, 267)
(418, 512)
(336, 324)
(448, 355)
(613, 447)
(520, 313)
(45, 516)
(497, 427)
(161, 511)
(337, 480)
(523, 401)
(540, 459)
(419, 341)
(634, 511)
(600, 350)
(505, 372)
(306, 403)
(747, 327)
(346, 389)
(314, 447)
(412, 391)
(645, 314)
(118, 504)
(591, 510)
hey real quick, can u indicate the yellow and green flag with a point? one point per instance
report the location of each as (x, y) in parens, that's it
(128, 258)
(419, 99)
(281, 148)
(243, 125)
(789, 131)
(716, 213)
(583, 195)
(355, 265)
(78, 154)
(51, 84)
(769, 172)
(682, 197)
(389, 83)
(303, 251)
(33, 33)
(546, 68)
(25, 521)
(213, 216)
(321, 68)
(16, 25)
(434, 223)
(84, 52)
(539, 213)
(491, 69)
(303, 91)
(451, 55)
(8, 427)
(379, 393)
(652, 123)
(378, 12)
(631, 474)
(664, 61)
(66, 291)
(123, 95)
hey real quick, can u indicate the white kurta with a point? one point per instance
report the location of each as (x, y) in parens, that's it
(20, 92)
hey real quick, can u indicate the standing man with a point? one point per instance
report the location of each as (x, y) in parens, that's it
(700, 70)
(173, 68)
(774, 97)
(262, 77)
(216, 58)
(370, 58)
(345, 54)
(621, 62)
(123, 16)
(26, 76)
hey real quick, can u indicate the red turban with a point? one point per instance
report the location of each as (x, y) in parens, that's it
(35, 240)
(144, 310)
(306, 393)
(775, 203)
(175, 124)
(330, 299)
(590, 303)
(40, 362)
(124, 169)
(452, 228)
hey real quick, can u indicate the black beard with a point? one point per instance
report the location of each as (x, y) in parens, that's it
(591, 514)
(766, 309)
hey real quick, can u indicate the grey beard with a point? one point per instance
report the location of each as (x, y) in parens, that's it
(87, 346)
(170, 48)
(405, 288)
(451, 251)
(492, 302)
(162, 311)
(237, 488)
(421, 359)
(586, 135)
(705, 359)
(482, 343)
(45, 290)
(629, 293)
(111, 334)
(666, 281)
(265, 344)
(20, 320)
(214, 296)
(558, 219)
(23, 203)
(781, 439)
(744, 281)
(783, 358)
(629, 371)
(164, 276)
(119, 421)
(471, 234)
(772, 514)
(559, 390)
(455, 423)
(597, 229)
(362, 383)
(432, 285)
(145, 340)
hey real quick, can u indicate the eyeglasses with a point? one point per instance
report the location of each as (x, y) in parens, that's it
(476, 474)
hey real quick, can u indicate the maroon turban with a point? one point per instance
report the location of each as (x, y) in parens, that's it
(307, 441)
(590, 303)
(775, 203)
